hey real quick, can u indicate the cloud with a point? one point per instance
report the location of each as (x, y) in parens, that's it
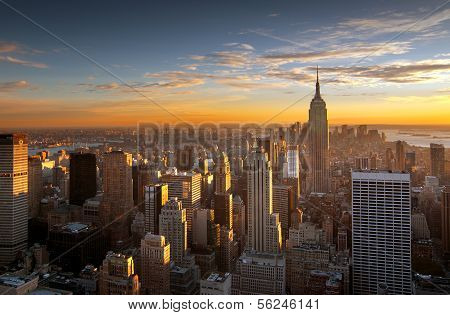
(240, 46)
(6, 87)
(7, 47)
(101, 87)
(442, 55)
(232, 59)
(23, 62)
(279, 38)
(273, 15)
(354, 51)
(191, 67)
(396, 22)
(433, 99)
(401, 72)
(178, 79)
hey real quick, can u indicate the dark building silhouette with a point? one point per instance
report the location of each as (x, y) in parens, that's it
(90, 249)
(83, 177)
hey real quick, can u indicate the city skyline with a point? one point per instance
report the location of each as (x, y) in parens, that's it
(384, 63)
(182, 149)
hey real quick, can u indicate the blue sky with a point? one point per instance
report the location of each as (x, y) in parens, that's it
(210, 59)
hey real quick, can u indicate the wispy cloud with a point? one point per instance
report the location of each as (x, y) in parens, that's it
(399, 72)
(6, 47)
(12, 86)
(357, 50)
(240, 46)
(233, 59)
(21, 62)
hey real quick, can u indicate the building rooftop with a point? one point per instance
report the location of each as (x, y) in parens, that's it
(263, 259)
(75, 227)
(218, 277)
(13, 280)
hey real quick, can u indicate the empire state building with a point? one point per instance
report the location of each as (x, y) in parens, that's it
(318, 143)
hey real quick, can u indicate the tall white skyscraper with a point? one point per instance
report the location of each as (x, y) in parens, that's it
(13, 196)
(381, 223)
(319, 165)
(264, 228)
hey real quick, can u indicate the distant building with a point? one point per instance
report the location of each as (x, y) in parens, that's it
(35, 186)
(155, 270)
(182, 281)
(205, 231)
(300, 261)
(186, 186)
(173, 226)
(75, 245)
(156, 197)
(91, 210)
(400, 155)
(17, 285)
(325, 283)
(362, 163)
(420, 230)
(445, 219)
(437, 157)
(264, 228)
(83, 177)
(225, 257)
(117, 199)
(216, 284)
(117, 275)
(259, 273)
(284, 205)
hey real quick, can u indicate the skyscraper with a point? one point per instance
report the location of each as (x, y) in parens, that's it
(156, 197)
(400, 155)
(319, 167)
(155, 269)
(381, 225)
(223, 174)
(187, 187)
(223, 201)
(173, 226)
(283, 204)
(83, 177)
(445, 219)
(13, 196)
(437, 156)
(117, 195)
(264, 228)
(117, 275)
(35, 186)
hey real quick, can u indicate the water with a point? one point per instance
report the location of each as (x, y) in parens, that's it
(53, 150)
(419, 137)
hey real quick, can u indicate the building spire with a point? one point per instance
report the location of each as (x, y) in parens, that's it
(317, 80)
(317, 84)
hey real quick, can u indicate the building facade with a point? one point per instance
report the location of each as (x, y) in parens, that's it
(381, 226)
(13, 196)
(155, 268)
(319, 161)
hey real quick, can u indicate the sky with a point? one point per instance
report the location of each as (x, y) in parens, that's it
(117, 63)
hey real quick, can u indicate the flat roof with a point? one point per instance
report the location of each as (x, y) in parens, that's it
(217, 277)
